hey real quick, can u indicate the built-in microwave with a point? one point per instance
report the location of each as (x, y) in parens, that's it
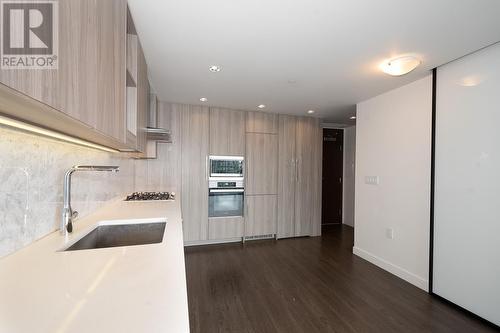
(226, 166)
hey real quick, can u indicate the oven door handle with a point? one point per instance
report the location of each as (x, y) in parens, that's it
(216, 190)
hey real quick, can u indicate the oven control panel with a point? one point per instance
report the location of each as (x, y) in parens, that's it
(226, 183)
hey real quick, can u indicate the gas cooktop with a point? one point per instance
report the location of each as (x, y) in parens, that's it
(145, 196)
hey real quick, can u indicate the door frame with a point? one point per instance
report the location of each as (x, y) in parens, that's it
(342, 127)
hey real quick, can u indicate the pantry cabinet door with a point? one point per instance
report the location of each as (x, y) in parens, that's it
(194, 188)
(287, 176)
(308, 185)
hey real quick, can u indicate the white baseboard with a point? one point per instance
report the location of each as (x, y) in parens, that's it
(391, 268)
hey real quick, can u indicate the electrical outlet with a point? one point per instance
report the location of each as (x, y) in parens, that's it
(389, 233)
(372, 180)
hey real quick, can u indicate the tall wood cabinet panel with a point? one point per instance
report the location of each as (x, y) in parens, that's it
(227, 132)
(194, 188)
(260, 215)
(299, 182)
(261, 122)
(261, 164)
(307, 191)
(287, 176)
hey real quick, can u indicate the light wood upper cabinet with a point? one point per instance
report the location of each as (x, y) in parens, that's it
(260, 217)
(287, 176)
(88, 87)
(111, 63)
(261, 122)
(194, 191)
(227, 132)
(261, 164)
(142, 100)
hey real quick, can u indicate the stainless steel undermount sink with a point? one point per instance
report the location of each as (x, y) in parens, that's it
(113, 235)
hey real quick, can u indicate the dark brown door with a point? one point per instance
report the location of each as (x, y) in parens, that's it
(333, 161)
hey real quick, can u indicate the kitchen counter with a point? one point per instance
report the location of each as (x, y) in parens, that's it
(121, 289)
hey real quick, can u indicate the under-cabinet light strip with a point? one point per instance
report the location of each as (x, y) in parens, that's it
(51, 134)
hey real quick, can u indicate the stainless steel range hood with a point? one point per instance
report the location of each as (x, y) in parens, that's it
(153, 132)
(158, 134)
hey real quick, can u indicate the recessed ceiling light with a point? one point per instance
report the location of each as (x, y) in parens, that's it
(400, 65)
(262, 106)
(203, 99)
(352, 118)
(310, 111)
(215, 68)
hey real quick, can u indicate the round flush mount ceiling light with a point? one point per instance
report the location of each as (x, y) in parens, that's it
(203, 99)
(261, 106)
(400, 65)
(214, 68)
(310, 111)
(352, 118)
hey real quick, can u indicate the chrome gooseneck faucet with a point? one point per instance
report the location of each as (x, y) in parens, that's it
(67, 213)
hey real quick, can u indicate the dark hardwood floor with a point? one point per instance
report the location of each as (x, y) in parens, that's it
(308, 285)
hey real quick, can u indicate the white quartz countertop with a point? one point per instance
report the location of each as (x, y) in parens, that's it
(122, 289)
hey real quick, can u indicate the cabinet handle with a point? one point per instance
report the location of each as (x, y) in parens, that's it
(297, 170)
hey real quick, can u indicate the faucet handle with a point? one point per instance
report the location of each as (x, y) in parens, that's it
(74, 214)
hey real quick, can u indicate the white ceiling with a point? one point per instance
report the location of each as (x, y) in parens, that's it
(296, 55)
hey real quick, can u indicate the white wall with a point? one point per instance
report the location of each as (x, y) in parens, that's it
(467, 218)
(349, 176)
(393, 142)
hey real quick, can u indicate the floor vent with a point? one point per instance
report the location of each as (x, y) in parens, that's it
(270, 236)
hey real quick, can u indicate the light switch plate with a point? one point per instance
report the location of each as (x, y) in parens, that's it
(389, 233)
(372, 180)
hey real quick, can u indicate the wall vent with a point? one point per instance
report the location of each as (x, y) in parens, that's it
(269, 236)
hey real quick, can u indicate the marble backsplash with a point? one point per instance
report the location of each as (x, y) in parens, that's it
(31, 183)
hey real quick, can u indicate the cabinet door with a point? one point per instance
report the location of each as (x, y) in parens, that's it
(225, 227)
(260, 215)
(287, 176)
(261, 122)
(194, 189)
(261, 164)
(142, 99)
(307, 191)
(227, 132)
(111, 67)
(89, 84)
(71, 88)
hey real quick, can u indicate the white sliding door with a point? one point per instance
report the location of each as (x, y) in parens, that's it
(467, 183)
